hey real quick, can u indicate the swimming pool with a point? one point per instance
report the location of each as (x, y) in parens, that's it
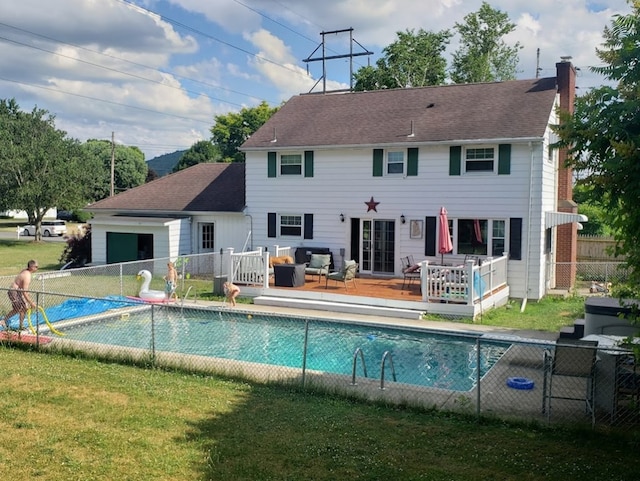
(424, 358)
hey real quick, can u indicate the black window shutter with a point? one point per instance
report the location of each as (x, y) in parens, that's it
(272, 164)
(412, 161)
(504, 159)
(308, 163)
(430, 235)
(378, 158)
(308, 226)
(515, 238)
(455, 159)
(272, 227)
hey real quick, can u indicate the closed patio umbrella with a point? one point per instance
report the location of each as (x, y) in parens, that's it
(444, 236)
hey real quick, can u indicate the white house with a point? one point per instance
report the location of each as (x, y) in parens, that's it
(193, 211)
(365, 174)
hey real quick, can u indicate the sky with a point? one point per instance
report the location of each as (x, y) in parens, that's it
(155, 73)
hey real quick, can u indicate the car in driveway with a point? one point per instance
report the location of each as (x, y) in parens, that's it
(49, 228)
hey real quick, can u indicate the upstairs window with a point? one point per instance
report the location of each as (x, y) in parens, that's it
(479, 159)
(395, 162)
(291, 164)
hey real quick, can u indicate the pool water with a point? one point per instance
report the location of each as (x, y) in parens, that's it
(424, 358)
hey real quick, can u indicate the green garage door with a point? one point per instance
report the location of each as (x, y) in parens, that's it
(124, 247)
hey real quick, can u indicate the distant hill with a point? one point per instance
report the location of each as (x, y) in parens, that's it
(164, 164)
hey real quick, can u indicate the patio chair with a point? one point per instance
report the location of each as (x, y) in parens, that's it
(318, 265)
(410, 270)
(569, 374)
(347, 274)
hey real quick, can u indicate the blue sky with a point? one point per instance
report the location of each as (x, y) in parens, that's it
(157, 72)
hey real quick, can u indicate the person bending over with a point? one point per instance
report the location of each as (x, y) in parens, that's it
(231, 291)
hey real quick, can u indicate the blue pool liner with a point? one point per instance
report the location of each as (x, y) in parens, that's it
(70, 309)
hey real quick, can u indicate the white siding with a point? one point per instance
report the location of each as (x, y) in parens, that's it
(343, 182)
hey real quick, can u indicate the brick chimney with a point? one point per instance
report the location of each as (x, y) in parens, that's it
(567, 234)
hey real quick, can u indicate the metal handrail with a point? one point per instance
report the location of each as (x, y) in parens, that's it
(387, 354)
(355, 361)
(184, 298)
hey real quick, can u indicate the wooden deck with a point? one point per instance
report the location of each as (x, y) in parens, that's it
(378, 287)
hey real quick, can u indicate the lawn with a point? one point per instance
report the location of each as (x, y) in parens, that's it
(72, 418)
(68, 417)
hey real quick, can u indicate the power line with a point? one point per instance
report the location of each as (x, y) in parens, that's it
(140, 77)
(210, 37)
(105, 101)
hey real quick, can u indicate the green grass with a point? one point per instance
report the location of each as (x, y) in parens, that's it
(73, 418)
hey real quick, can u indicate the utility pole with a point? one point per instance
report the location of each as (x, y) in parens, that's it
(113, 160)
(326, 57)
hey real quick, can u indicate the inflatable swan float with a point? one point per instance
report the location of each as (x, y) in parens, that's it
(145, 293)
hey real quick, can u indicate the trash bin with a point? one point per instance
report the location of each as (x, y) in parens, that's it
(218, 285)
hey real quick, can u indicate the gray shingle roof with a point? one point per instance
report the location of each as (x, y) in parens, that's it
(498, 110)
(213, 187)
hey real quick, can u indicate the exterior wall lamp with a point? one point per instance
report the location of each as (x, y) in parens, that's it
(402, 219)
(341, 217)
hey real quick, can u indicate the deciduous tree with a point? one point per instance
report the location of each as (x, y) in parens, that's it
(40, 167)
(231, 130)
(483, 55)
(130, 169)
(200, 152)
(415, 59)
(603, 137)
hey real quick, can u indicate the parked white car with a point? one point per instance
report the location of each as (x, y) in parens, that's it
(49, 228)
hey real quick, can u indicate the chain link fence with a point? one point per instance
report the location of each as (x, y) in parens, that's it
(504, 376)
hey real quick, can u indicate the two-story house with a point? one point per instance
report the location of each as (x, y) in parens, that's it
(366, 174)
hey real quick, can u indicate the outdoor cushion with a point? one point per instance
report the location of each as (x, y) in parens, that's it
(413, 268)
(319, 261)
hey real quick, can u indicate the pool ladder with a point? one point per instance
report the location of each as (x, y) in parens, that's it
(386, 356)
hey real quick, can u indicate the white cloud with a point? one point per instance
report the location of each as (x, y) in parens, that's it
(159, 79)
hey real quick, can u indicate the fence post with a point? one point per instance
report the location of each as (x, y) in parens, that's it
(153, 335)
(304, 352)
(478, 377)
(231, 276)
(265, 269)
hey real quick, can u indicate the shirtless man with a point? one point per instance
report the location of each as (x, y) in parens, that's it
(20, 300)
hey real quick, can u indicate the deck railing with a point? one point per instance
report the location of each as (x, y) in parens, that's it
(465, 283)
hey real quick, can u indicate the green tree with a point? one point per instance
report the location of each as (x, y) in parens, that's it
(413, 60)
(231, 130)
(483, 55)
(592, 206)
(603, 137)
(200, 152)
(40, 168)
(130, 169)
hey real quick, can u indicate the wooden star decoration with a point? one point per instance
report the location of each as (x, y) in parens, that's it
(372, 205)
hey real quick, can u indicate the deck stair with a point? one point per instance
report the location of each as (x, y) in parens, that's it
(335, 306)
(576, 331)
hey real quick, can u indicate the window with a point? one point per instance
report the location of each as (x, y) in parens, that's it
(479, 159)
(395, 162)
(498, 238)
(291, 164)
(472, 236)
(206, 237)
(475, 236)
(291, 225)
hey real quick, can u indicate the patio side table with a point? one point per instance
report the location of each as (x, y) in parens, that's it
(289, 275)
